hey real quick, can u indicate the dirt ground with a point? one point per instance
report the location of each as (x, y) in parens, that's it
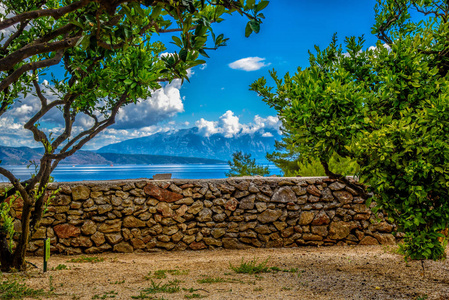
(361, 272)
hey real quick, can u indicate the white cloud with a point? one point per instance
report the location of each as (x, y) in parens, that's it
(163, 104)
(267, 134)
(207, 127)
(249, 64)
(229, 125)
(203, 66)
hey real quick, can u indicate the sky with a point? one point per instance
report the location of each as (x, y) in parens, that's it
(217, 98)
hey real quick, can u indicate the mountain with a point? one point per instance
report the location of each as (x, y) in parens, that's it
(191, 143)
(23, 155)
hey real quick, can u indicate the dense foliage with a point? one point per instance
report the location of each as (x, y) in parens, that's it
(243, 165)
(387, 108)
(112, 55)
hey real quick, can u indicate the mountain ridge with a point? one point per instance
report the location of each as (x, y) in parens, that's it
(191, 143)
(23, 155)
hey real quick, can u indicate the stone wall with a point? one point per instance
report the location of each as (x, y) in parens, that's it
(237, 213)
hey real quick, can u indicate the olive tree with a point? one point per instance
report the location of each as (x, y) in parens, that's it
(111, 52)
(387, 108)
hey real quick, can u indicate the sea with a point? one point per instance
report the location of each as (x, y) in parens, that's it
(67, 173)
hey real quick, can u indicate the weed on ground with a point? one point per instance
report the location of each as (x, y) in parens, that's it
(86, 259)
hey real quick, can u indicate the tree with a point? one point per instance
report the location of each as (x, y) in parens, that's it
(111, 54)
(243, 165)
(387, 107)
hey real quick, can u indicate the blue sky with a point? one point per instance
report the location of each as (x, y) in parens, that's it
(218, 99)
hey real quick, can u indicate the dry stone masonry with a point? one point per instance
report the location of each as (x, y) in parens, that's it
(236, 213)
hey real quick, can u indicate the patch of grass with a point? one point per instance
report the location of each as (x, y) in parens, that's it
(86, 259)
(170, 287)
(251, 267)
(258, 289)
(106, 295)
(286, 288)
(192, 296)
(161, 274)
(15, 290)
(117, 282)
(60, 267)
(211, 280)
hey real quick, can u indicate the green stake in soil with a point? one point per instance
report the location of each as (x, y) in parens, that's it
(46, 253)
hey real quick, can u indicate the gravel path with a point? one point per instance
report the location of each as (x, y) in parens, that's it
(361, 272)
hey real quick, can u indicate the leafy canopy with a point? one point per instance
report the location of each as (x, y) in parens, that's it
(387, 108)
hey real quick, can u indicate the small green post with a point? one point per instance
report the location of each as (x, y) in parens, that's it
(46, 253)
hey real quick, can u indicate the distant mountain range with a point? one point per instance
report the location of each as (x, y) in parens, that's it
(191, 143)
(23, 155)
(185, 146)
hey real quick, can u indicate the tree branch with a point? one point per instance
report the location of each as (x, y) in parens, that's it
(15, 35)
(8, 62)
(31, 15)
(39, 93)
(91, 133)
(14, 181)
(29, 67)
(361, 189)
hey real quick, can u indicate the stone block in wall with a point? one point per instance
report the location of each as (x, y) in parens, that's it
(306, 217)
(161, 194)
(64, 231)
(233, 243)
(89, 227)
(369, 240)
(80, 192)
(338, 230)
(123, 247)
(343, 196)
(269, 215)
(196, 207)
(283, 195)
(133, 222)
(321, 219)
(110, 226)
(113, 238)
(61, 199)
(385, 238)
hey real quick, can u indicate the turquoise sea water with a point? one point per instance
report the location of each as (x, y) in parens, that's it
(64, 173)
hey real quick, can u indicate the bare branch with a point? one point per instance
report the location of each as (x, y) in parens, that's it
(39, 93)
(31, 15)
(50, 36)
(29, 67)
(89, 134)
(8, 62)
(15, 35)
(14, 181)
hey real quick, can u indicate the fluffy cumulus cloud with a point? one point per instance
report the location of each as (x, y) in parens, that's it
(134, 120)
(229, 125)
(249, 64)
(163, 104)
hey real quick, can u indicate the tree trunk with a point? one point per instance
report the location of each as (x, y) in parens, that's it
(6, 257)
(19, 254)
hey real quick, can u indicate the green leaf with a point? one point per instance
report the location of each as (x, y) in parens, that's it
(255, 26)
(248, 30)
(261, 5)
(183, 55)
(250, 4)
